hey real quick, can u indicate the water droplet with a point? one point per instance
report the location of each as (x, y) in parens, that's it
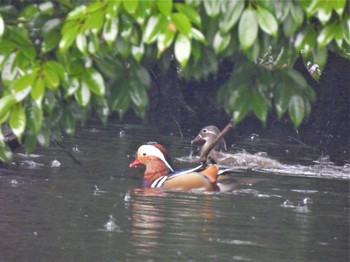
(122, 133)
(127, 197)
(254, 137)
(288, 203)
(307, 200)
(111, 225)
(55, 163)
(14, 182)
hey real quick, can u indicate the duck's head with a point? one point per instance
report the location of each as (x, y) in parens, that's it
(209, 134)
(147, 154)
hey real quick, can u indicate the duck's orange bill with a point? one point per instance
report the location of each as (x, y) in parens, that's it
(135, 163)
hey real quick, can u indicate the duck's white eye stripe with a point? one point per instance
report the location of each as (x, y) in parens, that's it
(152, 150)
(211, 132)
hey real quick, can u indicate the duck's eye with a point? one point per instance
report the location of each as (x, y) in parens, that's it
(144, 154)
(204, 130)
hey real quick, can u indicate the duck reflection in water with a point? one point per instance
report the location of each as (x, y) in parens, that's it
(157, 214)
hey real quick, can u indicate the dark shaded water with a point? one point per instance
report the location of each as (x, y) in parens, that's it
(51, 209)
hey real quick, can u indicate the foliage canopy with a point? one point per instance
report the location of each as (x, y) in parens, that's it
(61, 60)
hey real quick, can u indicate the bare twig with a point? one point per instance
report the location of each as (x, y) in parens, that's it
(204, 156)
(178, 126)
(64, 149)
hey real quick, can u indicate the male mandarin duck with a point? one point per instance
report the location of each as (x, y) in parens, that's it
(159, 173)
(219, 156)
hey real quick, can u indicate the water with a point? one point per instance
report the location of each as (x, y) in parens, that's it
(53, 209)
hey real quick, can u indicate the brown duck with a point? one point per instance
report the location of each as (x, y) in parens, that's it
(219, 155)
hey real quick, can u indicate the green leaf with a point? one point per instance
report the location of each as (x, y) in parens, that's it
(190, 12)
(18, 120)
(29, 52)
(182, 23)
(81, 43)
(110, 30)
(324, 12)
(296, 110)
(77, 13)
(2, 26)
(267, 21)
(338, 6)
(50, 41)
(43, 137)
(143, 76)
(7, 46)
(94, 81)
(345, 25)
(282, 97)
(19, 34)
(212, 8)
(241, 108)
(138, 95)
(152, 29)
(289, 26)
(165, 6)
(338, 36)
(198, 35)
(5, 104)
(68, 122)
(297, 14)
(165, 40)
(103, 110)
(38, 91)
(137, 52)
(123, 47)
(221, 42)
(5, 154)
(130, 6)
(182, 49)
(30, 142)
(51, 78)
(313, 7)
(248, 28)
(73, 86)
(94, 21)
(231, 16)
(306, 40)
(297, 78)
(9, 70)
(326, 35)
(82, 95)
(22, 86)
(59, 70)
(35, 118)
(96, 6)
(120, 100)
(68, 37)
(259, 106)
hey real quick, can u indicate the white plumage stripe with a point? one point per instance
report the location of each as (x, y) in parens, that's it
(159, 182)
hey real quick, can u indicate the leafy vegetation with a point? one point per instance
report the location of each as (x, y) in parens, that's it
(61, 60)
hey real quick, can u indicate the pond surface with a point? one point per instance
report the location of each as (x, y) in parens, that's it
(52, 209)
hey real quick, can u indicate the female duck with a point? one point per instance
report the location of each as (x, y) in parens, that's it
(158, 173)
(218, 154)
